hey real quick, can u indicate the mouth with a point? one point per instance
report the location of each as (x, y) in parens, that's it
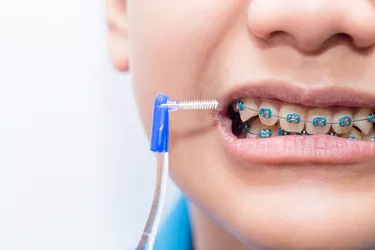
(278, 123)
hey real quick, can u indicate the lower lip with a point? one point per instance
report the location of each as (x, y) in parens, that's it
(292, 149)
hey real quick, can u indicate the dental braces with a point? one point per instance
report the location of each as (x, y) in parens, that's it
(296, 119)
(267, 133)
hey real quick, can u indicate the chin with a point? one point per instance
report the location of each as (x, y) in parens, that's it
(302, 218)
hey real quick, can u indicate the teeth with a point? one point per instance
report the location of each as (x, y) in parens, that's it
(249, 110)
(268, 113)
(290, 120)
(319, 120)
(364, 125)
(332, 133)
(303, 133)
(294, 118)
(343, 121)
(259, 130)
(370, 136)
(371, 117)
(353, 134)
(282, 132)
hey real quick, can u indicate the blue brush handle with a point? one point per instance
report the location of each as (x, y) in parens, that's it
(160, 125)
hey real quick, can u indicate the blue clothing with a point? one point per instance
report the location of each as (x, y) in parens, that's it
(175, 232)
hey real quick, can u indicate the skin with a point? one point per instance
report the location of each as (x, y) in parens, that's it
(199, 49)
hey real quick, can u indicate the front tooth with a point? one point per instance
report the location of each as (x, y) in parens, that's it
(353, 134)
(370, 136)
(343, 121)
(293, 118)
(363, 116)
(319, 121)
(249, 109)
(268, 113)
(259, 130)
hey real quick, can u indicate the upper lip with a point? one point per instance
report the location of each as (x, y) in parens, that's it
(316, 96)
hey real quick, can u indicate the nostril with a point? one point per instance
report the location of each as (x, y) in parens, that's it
(280, 37)
(345, 37)
(278, 34)
(339, 38)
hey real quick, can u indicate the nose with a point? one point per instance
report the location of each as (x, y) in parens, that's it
(313, 22)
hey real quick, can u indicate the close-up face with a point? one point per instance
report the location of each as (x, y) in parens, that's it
(287, 161)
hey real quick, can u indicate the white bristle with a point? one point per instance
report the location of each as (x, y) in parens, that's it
(196, 105)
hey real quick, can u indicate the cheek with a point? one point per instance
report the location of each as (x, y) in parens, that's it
(169, 50)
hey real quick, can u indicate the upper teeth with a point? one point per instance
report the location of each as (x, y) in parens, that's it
(297, 119)
(360, 120)
(342, 121)
(321, 121)
(268, 113)
(247, 108)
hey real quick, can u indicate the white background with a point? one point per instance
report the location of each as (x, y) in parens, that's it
(75, 170)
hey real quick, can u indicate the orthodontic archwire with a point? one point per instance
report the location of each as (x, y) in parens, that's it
(159, 144)
(240, 106)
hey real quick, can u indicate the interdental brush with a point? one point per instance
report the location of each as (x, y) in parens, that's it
(159, 145)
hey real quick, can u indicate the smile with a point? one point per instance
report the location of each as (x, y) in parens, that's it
(284, 126)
